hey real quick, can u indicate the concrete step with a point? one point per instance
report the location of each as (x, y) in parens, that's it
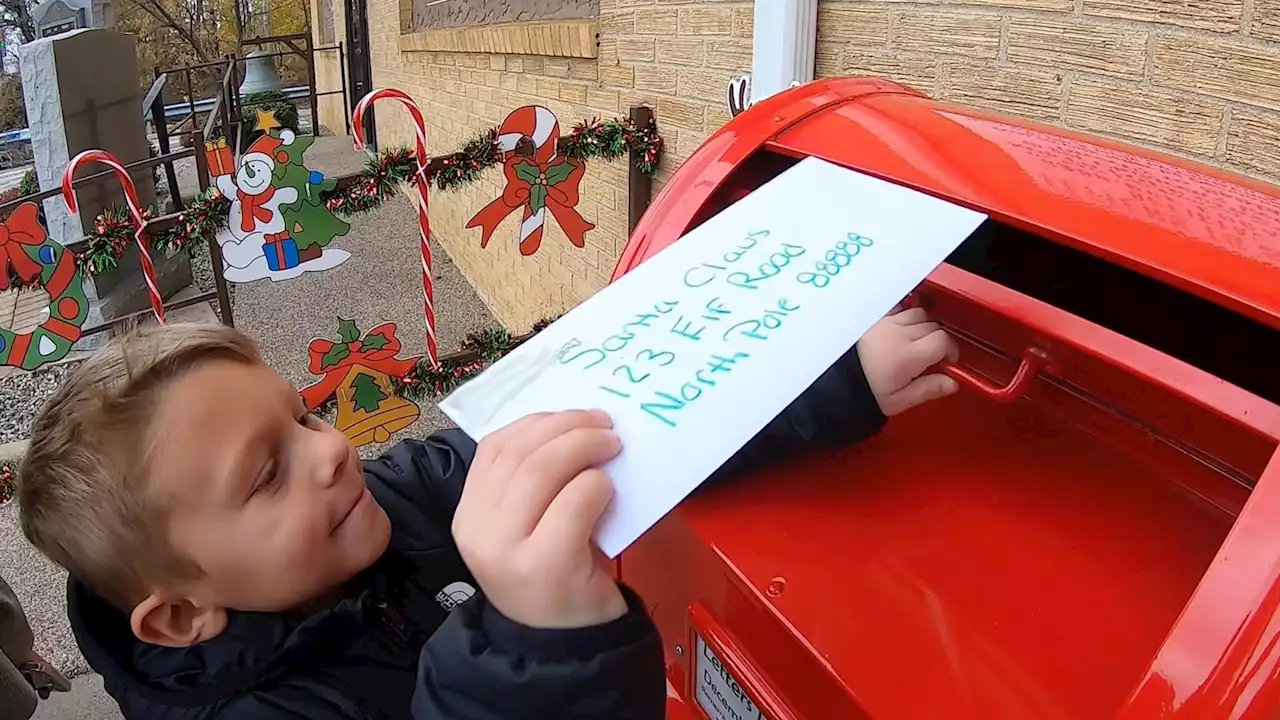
(13, 451)
(198, 313)
(86, 701)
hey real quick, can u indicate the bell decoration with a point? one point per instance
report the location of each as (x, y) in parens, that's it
(357, 371)
(260, 73)
(369, 410)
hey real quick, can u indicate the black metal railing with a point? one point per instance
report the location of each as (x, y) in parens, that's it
(153, 226)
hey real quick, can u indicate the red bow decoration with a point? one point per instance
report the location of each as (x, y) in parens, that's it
(376, 351)
(21, 228)
(254, 206)
(552, 185)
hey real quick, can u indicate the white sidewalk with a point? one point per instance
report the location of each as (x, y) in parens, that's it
(86, 701)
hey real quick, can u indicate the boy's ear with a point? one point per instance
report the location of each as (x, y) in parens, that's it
(176, 622)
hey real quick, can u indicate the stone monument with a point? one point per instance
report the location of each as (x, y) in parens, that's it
(82, 92)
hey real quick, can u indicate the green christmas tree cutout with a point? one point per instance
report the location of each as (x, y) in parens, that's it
(308, 221)
(367, 395)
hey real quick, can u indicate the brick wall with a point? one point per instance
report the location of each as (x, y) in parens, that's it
(462, 94)
(675, 56)
(1199, 79)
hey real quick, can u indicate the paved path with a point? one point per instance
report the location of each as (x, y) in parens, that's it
(381, 282)
(88, 701)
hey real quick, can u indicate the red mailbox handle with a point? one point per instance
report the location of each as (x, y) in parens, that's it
(1033, 361)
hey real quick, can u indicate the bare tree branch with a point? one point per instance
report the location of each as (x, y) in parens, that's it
(161, 14)
(15, 15)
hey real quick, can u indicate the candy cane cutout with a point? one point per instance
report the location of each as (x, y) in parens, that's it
(541, 127)
(424, 225)
(135, 209)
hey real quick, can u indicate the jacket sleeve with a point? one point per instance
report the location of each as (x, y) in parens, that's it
(480, 665)
(421, 480)
(838, 409)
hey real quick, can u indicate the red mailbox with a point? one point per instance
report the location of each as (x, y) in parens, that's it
(1089, 529)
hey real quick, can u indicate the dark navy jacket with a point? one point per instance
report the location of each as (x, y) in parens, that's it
(414, 639)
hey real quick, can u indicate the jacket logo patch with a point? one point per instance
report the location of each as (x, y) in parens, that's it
(454, 594)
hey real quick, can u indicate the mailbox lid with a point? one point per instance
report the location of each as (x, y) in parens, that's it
(1203, 230)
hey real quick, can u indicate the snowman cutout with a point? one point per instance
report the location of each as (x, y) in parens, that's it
(256, 243)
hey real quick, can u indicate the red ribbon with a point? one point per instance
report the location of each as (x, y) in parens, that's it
(253, 206)
(21, 228)
(561, 199)
(383, 360)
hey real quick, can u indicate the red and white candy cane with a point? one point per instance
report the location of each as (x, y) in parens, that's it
(424, 225)
(135, 210)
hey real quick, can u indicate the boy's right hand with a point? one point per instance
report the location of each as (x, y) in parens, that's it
(531, 501)
(898, 351)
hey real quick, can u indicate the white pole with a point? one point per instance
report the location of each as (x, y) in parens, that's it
(786, 33)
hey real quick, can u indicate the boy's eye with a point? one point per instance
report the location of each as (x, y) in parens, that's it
(268, 478)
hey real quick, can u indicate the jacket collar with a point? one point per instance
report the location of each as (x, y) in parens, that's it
(254, 648)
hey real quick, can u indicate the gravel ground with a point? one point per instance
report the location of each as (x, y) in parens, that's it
(21, 397)
(202, 278)
(376, 285)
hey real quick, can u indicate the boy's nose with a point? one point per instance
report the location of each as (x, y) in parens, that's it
(332, 456)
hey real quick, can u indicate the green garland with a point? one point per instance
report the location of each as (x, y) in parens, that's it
(8, 482)
(207, 213)
(380, 179)
(424, 382)
(113, 232)
(611, 139)
(479, 154)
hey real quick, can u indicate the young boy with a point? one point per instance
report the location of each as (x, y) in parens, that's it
(231, 558)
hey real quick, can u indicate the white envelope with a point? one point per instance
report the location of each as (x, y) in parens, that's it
(697, 349)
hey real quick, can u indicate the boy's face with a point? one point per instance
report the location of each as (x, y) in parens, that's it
(269, 501)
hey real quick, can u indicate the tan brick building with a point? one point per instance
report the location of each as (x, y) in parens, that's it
(1199, 78)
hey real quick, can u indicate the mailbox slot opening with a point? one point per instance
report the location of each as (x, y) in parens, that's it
(1191, 329)
(1198, 332)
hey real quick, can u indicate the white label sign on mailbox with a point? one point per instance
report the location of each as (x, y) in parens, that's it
(720, 695)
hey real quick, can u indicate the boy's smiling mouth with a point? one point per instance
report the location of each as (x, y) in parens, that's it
(349, 509)
(361, 499)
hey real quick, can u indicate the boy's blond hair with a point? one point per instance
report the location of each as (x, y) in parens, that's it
(83, 492)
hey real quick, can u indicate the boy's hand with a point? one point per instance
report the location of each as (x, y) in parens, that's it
(531, 501)
(894, 354)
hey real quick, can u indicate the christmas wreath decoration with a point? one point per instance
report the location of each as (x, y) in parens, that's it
(207, 213)
(27, 253)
